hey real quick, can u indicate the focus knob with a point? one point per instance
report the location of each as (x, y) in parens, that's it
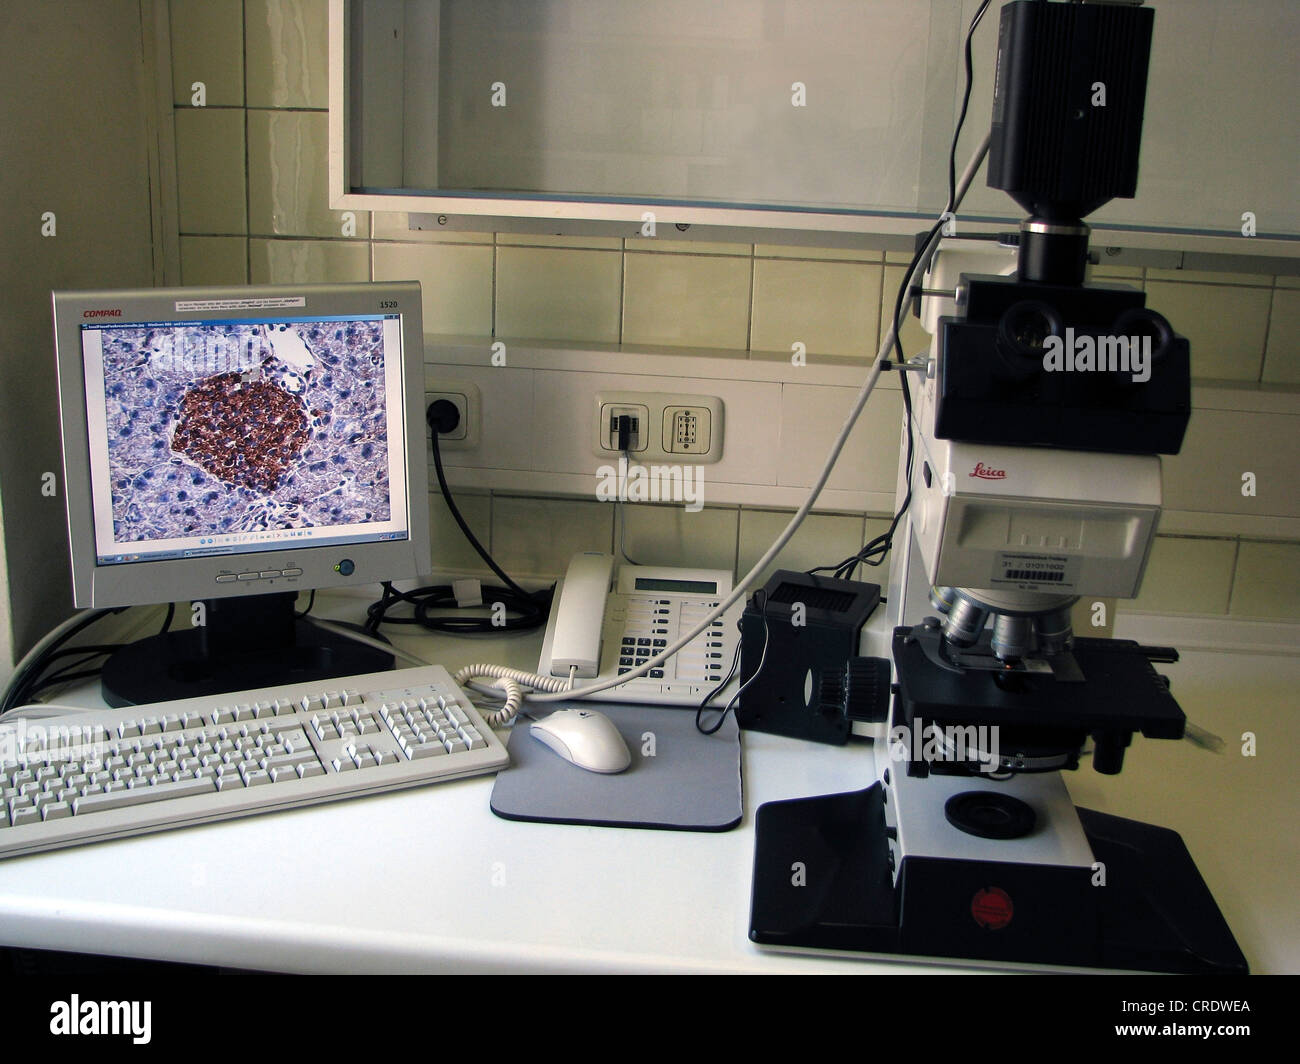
(858, 691)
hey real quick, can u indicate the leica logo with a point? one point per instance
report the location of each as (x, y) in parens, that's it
(985, 473)
(115, 313)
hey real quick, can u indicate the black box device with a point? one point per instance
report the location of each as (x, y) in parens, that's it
(802, 632)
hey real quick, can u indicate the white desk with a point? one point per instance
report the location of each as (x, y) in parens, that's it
(429, 880)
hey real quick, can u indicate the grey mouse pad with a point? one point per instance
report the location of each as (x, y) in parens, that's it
(679, 779)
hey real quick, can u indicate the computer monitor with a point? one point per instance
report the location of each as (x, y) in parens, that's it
(232, 447)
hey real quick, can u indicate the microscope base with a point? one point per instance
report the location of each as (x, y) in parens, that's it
(822, 881)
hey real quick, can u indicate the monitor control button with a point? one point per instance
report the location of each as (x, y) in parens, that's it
(249, 576)
(226, 578)
(267, 574)
(292, 572)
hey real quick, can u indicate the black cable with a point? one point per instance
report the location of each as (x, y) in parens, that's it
(311, 601)
(531, 609)
(874, 552)
(66, 677)
(761, 600)
(69, 672)
(86, 653)
(455, 512)
(85, 648)
(17, 692)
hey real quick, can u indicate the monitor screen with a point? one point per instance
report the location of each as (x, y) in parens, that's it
(243, 434)
(221, 442)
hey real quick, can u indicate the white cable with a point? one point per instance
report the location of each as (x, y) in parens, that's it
(38, 711)
(378, 644)
(510, 680)
(922, 264)
(1202, 737)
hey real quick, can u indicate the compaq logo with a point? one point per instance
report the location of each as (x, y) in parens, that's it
(985, 473)
(102, 1017)
(114, 313)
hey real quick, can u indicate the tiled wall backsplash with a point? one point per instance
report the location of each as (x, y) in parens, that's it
(253, 208)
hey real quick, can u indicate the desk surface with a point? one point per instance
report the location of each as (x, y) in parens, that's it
(429, 880)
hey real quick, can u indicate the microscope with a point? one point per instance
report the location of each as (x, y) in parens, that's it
(1041, 411)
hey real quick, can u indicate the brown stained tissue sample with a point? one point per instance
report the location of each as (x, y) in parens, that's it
(246, 432)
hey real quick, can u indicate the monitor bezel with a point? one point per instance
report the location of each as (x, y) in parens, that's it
(154, 581)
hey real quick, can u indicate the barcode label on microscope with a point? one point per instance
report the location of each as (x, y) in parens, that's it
(1035, 571)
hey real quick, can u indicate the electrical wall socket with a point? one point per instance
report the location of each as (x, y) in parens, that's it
(670, 428)
(469, 402)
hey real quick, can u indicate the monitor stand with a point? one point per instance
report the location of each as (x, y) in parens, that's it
(250, 642)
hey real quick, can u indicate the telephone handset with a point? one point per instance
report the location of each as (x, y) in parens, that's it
(578, 615)
(603, 631)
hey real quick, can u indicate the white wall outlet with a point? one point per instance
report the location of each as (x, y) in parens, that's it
(687, 429)
(669, 427)
(469, 402)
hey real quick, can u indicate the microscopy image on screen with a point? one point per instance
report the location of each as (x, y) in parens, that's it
(216, 429)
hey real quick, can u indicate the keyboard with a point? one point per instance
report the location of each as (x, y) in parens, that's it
(103, 774)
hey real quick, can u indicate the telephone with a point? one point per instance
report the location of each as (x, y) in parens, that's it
(602, 633)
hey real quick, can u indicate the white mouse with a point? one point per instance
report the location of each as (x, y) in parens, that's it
(584, 738)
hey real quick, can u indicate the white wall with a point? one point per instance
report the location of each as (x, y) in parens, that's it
(73, 95)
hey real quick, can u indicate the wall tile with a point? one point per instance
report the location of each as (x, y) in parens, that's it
(288, 191)
(1267, 582)
(537, 537)
(451, 550)
(832, 308)
(1225, 325)
(687, 247)
(1186, 576)
(214, 260)
(1130, 275)
(307, 261)
(822, 539)
(536, 240)
(210, 170)
(1209, 277)
(1221, 445)
(672, 535)
(1282, 356)
(686, 300)
(558, 294)
(791, 251)
(455, 282)
(208, 46)
(811, 418)
(287, 50)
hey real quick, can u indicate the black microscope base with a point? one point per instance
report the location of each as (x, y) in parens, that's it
(822, 881)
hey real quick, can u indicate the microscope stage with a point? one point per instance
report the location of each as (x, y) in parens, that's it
(1120, 691)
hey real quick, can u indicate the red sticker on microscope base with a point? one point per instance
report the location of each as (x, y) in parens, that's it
(991, 908)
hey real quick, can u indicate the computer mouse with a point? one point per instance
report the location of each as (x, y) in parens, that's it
(584, 738)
